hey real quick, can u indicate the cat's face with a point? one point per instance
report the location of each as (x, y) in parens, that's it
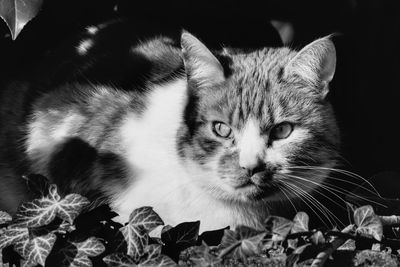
(252, 132)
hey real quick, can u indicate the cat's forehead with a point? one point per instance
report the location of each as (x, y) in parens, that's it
(260, 65)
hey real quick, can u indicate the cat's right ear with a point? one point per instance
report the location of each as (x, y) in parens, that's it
(201, 65)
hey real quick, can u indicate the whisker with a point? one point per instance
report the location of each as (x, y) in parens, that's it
(345, 172)
(327, 197)
(282, 189)
(328, 214)
(337, 189)
(292, 189)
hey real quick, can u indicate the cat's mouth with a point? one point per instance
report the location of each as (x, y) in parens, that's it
(258, 186)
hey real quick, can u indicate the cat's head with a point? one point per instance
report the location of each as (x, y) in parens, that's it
(256, 121)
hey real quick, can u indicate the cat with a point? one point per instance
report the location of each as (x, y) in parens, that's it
(216, 136)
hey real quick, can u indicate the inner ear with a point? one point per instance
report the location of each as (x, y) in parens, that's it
(315, 63)
(200, 63)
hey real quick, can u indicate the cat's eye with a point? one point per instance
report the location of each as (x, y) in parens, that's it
(281, 130)
(221, 129)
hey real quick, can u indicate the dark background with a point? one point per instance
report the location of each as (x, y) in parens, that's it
(365, 89)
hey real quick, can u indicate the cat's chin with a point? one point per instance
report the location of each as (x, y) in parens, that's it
(250, 192)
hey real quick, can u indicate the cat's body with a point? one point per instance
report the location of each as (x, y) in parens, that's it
(200, 139)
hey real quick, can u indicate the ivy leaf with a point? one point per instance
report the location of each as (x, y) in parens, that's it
(180, 237)
(42, 211)
(37, 249)
(151, 252)
(368, 222)
(91, 247)
(349, 245)
(4, 217)
(201, 256)
(141, 222)
(212, 238)
(241, 243)
(12, 235)
(300, 222)
(318, 238)
(119, 260)
(279, 227)
(17, 13)
(160, 261)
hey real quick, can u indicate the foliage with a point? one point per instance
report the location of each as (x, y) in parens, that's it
(17, 13)
(64, 231)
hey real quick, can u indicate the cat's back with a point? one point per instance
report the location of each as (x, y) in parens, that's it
(74, 102)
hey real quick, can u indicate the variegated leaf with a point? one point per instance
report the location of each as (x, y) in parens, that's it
(279, 227)
(300, 222)
(201, 256)
(160, 261)
(151, 252)
(141, 222)
(145, 217)
(42, 211)
(22, 248)
(39, 248)
(136, 238)
(4, 217)
(119, 260)
(16, 13)
(12, 235)
(368, 223)
(242, 242)
(91, 247)
(71, 206)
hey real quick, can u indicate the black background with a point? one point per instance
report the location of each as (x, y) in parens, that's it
(365, 88)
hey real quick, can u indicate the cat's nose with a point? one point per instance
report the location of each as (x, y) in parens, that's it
(254, 167)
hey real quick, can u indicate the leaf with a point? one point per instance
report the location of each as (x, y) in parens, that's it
(300, 222)
(91, 247)
(17, 13)
(141, 222)
(201, 256)
(212, 238)
(349, 245)
(368, 222)
(151, 252)
(42, 211)
(318, 238)
(12, 235)
(279, 227)
(145, 217)
(160, 261)
(180, 237)
(4, 217)
(38, 248)
(119, 260)
(241, 243)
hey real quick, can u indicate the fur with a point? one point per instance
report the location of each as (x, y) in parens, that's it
(154, 143)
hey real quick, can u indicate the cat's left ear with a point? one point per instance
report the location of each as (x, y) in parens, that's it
(200, 63)
(316, 63)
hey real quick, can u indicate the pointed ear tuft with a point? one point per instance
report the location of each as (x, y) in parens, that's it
(200, 64)
(316, 63)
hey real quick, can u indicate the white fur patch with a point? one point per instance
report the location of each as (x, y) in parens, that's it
(251, 145)
(159, 178)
